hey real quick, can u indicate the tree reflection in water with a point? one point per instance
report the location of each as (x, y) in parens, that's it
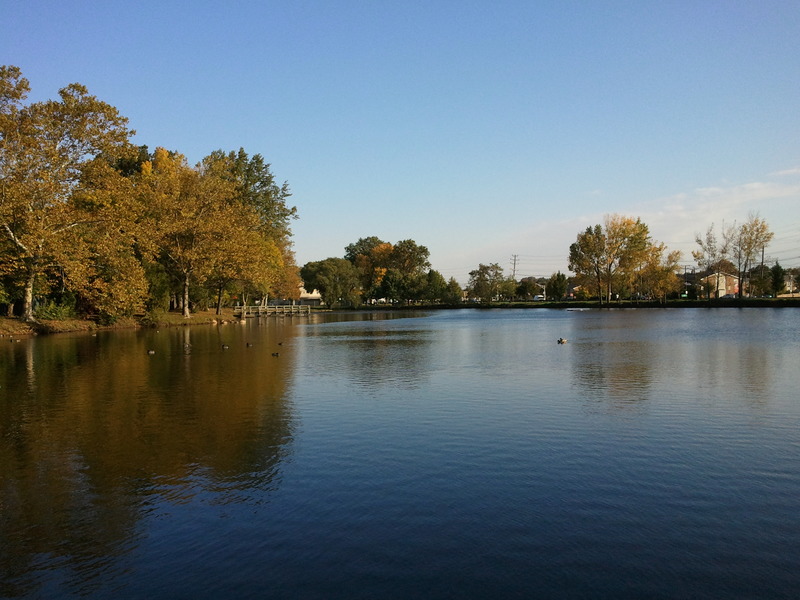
(96, 434)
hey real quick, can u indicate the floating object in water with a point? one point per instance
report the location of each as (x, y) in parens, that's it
(276, 354)
(225, 346)
(249, 345)
(151, 351)
(562, 341)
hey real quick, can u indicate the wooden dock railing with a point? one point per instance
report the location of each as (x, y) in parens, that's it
(265, 311)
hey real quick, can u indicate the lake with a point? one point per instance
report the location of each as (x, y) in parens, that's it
(444, 454)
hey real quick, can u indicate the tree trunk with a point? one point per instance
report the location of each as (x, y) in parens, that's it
(186, 313)
(27, 307)
(219, 299)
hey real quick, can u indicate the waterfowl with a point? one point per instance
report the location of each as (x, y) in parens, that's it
(225, 346)
(151, 351)
(562, 341)
(276, 354)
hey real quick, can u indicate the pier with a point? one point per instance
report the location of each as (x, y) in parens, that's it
(244, 312)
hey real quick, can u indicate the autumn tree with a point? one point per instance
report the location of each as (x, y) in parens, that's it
(257, 192)
(658, 275)
(712, 254)
(195, 224)
(628, 246)
(45, 150)
(374, 258)
(609, 257)
(288, 283)
(747, 241)
(258, 258)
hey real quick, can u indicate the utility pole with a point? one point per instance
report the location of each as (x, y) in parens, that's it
(514, 258)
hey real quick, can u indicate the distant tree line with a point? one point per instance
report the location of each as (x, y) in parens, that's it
(613, 261)
(90, 224)
(374, 271)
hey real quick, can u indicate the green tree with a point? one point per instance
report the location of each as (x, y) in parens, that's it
(45, 150)
(484, 282)
(435, 286)
(528, 287)
(393, 286)
(454, 294)
(410, 258)
(778, 274)
(556, 286)
(507, 288)
(336, 279)
(363, 247)
(586, 259)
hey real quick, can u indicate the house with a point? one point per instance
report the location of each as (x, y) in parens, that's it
(313, 298)
(719, 284)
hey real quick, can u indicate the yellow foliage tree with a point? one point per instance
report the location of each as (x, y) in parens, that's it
(46, 150)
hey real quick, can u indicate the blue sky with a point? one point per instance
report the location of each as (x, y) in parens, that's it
(482, 130)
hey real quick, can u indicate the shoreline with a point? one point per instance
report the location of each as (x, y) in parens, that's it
(15, 327)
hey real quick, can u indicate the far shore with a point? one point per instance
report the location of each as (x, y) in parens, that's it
(15, 327)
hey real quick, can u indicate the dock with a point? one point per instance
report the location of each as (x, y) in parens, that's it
(244, 312)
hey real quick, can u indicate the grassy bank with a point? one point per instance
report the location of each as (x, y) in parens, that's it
(16, 327)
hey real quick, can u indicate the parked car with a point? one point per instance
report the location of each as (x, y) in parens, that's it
(538, 298)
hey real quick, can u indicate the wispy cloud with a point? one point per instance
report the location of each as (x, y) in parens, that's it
(543, 245)
(794, 171)
(674, 220)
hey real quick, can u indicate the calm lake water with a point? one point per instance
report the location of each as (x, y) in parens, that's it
(454, 454)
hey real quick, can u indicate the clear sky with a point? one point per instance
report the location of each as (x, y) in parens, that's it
(480, 129)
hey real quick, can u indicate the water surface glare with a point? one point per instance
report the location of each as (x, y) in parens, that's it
(452, 454)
